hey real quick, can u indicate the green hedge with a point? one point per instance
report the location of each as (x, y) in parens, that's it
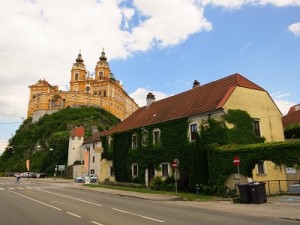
(292, 131)
(220, 158)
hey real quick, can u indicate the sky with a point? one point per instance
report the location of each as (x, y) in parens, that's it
(158, 46)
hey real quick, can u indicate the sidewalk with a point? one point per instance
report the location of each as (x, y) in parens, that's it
(284, 207)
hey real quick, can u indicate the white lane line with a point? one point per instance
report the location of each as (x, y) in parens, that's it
(11, 188)
(2, 189)
(283, 203)
(72, 214)
(134, 214)
(66, 196)
(32, 199)
(94, 222)
(20, 188)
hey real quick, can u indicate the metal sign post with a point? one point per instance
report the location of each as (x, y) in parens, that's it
(175, 165)
(237, 162)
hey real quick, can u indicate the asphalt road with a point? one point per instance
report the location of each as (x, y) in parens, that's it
(35, 203)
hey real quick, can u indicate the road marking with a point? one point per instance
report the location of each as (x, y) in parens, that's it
(11, 188)
(282, 203)
(20, 188)
(96, 223)
(32, 199)
(134, 214)
(2, 189)
(76, 199)
(72, 214)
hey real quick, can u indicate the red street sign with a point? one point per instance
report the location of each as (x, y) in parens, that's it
(175, 164)
(236, 161)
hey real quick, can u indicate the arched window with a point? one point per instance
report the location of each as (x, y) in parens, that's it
(145, 138)
(100, 74)
(76, 76)
(134, 141)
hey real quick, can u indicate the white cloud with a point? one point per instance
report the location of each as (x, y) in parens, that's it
(280, 3)
(282, 104)
(295, 29)
(164, 24)
(3, 145)
(236, 4)
(139, 95)
(39, 39)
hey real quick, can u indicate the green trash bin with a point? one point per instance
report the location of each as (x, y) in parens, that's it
(258, 192)
(245, 194)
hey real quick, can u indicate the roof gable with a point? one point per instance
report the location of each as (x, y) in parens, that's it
(78, 132)
(199, 100)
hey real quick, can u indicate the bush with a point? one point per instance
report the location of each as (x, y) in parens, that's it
(156, 183)
(208, 190)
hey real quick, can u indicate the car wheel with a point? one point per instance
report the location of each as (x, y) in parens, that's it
(79, 181)
(93, 181)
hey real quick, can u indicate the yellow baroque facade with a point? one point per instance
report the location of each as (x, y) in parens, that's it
(102, 90)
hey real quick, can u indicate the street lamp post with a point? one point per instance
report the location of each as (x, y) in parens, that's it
(88, 149)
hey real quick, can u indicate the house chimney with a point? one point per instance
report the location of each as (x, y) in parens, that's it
(196, 84)
(150, 98)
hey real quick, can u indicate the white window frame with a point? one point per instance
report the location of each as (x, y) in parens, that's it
(168, 169)
(133, 166)
(134, 141)
(153, 135)
(263, 167)
(145, 132)
(190, 129)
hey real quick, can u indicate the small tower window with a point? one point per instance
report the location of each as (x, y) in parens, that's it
(76, 76)
(100, 74)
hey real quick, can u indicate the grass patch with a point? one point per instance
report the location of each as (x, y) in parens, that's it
(182, 195)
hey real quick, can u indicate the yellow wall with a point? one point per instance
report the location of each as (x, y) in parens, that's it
(259, 105)
(105, 171)
(120, 109)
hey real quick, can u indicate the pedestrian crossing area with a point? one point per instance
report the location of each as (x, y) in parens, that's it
(5, 186)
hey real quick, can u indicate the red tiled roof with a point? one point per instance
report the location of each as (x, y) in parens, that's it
(293, 109)
(292, 117)
(202, 99)
(78, 132)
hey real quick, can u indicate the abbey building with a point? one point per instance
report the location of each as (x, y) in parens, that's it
(102, 90)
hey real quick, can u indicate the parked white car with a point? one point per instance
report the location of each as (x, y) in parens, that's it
(93, 178)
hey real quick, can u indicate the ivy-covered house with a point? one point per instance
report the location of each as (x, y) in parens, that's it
(144, 144)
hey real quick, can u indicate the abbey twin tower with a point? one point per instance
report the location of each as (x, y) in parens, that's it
(103, 91)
